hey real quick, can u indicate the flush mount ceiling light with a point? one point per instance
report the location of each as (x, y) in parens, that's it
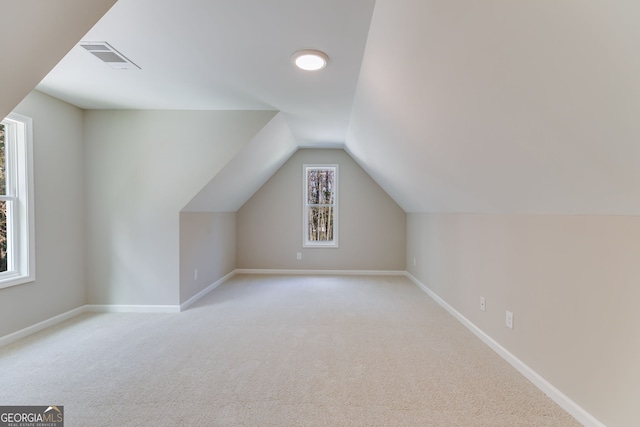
(310, 60)
(106, 53)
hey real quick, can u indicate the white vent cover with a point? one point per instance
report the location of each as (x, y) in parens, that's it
(104, 52)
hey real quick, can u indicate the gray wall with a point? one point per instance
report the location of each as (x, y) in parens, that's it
(571, 282)
(142, 168)
(207, 244)
(59, 217)
(372, 225)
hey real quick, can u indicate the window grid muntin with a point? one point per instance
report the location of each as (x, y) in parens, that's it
(10, 198)
(333, 196)
(19, 201)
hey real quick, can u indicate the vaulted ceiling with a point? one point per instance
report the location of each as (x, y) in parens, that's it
(225, 55)
(33, 38)
(450, 105)
(502, 107)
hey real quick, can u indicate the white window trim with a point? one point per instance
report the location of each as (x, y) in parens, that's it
(19, 150)
(306, 243)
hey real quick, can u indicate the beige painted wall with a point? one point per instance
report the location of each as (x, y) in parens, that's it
(208, 245)
(372, 225)
(572, 283)
(142, 168)
(59, 217)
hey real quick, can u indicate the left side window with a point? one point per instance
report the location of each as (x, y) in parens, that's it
(17, 249)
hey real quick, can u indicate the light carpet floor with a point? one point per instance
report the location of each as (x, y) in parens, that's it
(276, 351)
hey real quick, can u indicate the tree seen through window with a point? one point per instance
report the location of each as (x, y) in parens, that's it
(320, 205)
(3, 203)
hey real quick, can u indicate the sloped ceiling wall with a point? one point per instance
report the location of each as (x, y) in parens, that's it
(245, 173)
(34, 36)
(502, 107)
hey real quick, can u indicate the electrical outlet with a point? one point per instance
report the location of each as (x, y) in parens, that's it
(195, 274)
(414, 261)
(509, 319)
(483, 304)
(299, 255)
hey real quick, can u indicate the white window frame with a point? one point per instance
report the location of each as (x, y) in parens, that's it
(19, 195)
(306, 243)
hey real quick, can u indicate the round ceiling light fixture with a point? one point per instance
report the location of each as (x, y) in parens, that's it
(310, 60)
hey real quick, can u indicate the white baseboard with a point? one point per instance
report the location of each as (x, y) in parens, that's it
(91, 308)
(321, 272)
(8, 339)
(109, 308)
(556, 395)
(114, 308)
(205, 291)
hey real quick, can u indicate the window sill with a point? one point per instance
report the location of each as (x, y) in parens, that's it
(320, 245)
(9, 280)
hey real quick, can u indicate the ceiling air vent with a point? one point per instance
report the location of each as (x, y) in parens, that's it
(104, 52)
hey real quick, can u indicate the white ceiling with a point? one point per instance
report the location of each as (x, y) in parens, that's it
(497, 106)
(243, 175)
(31, 41)
(501, 106)
(224, 55)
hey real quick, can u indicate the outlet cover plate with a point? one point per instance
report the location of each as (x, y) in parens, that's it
(509, 319)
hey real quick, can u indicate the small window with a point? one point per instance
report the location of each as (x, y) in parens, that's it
(16, 201)
(320, 206)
